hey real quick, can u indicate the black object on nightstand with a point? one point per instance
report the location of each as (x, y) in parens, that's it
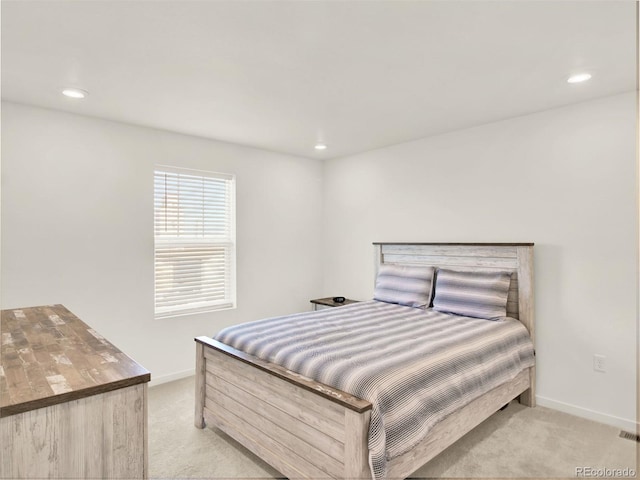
(320, 303)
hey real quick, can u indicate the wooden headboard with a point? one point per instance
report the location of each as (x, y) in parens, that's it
(516, 258)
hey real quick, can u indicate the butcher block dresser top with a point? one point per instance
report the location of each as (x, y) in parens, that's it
(49, 356)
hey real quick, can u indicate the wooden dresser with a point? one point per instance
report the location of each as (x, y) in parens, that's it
(71, 404)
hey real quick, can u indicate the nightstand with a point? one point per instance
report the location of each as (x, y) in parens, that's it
(322, 303)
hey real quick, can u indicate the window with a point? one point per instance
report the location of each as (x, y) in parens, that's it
(194, 219)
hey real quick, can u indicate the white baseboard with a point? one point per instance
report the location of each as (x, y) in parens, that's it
(622, 423)
(171, 377)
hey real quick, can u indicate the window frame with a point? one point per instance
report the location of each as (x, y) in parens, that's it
(229, 243)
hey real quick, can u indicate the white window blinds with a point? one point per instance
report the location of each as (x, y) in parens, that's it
(194, 218)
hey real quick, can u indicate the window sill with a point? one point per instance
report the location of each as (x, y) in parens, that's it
(168, 315)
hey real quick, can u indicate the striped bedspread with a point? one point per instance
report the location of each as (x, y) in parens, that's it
(415, 366)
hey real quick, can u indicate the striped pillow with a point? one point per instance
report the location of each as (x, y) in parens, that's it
(410, 286)
(472, 294)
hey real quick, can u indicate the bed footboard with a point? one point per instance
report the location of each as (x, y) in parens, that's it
(302, 428)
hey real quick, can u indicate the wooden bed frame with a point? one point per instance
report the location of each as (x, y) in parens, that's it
(306, 429)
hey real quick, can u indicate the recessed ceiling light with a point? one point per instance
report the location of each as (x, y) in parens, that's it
(580, 77)
(320, 146)
(74, 93)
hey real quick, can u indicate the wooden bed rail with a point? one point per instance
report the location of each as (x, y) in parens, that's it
(337, 396)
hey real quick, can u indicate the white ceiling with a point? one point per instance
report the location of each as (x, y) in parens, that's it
(282, 75)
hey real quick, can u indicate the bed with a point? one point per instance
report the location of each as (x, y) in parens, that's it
(308, 429)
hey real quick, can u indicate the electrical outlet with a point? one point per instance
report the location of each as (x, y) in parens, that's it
(599, 363)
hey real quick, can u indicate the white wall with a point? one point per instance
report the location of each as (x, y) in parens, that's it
(564, 179)
(77, 226)
(77, 229)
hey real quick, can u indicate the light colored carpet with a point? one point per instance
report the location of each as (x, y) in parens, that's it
(516, 442)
